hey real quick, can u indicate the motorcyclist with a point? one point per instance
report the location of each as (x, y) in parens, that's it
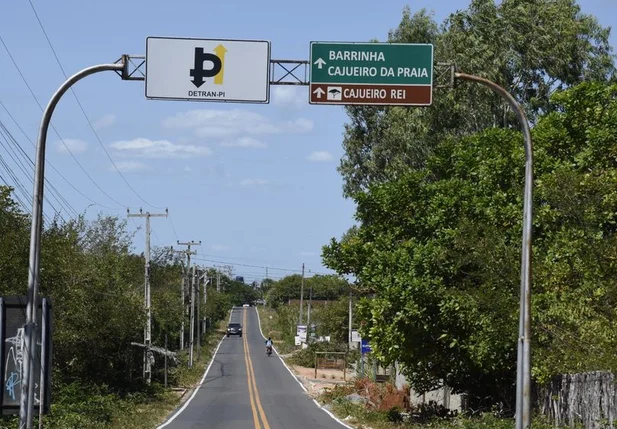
(269, 344)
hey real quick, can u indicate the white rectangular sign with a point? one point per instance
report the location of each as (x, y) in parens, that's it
(355, 336)
(208, 69)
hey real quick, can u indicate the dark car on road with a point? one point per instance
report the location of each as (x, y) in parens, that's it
(234, 329)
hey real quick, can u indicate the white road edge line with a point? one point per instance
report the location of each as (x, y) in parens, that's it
(296, 378)
(188, 401)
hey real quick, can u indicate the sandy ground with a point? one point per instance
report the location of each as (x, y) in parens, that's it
(326, 378)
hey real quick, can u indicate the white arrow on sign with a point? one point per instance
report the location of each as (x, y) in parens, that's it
(319, 92)
(320, 63)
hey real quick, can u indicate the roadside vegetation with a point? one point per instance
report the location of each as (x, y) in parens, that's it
(435, 252)
(95, 281)
(329, 310)
(364, 404)
(439, 192)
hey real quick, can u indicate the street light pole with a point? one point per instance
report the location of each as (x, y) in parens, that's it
(523, 370)
(26, 405)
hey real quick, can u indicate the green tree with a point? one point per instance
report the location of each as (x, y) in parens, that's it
(440, 249)
(324, 287)
(530, 47)
(97, 287)
(284, 289)
(333, 319)
(14, 243)
(166, 279)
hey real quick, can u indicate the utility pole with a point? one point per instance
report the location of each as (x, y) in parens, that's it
(204, 276)
(301, 295)
(205, 319)
(147, 302)
(308, 313)
(188, 254)
(263, 294)
(192, 328)
(218, 279)
(350, 320)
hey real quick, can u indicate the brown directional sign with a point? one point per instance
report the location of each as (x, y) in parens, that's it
(370, 94)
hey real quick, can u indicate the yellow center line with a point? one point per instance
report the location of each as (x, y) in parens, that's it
(248, 375)
(253, 391)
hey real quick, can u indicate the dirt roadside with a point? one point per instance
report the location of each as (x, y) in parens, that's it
(326, 378)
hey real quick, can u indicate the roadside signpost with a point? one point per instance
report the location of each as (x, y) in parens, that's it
(208, 69)
(371, 74)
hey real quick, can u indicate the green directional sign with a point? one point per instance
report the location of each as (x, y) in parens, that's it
(371, 73)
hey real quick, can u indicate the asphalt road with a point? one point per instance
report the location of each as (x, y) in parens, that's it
(246, 389)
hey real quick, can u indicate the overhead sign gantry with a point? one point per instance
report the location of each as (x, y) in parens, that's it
(224, 70)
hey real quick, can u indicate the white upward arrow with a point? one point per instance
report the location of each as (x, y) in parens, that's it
(320, 62)
(319, 92)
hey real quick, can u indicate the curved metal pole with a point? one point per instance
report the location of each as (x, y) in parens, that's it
(523, 369)
(29, 341)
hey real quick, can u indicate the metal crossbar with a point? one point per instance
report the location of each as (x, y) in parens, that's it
(282, 72)
(292, 69)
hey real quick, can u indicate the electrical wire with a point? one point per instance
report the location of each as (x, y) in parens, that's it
(54, 128)
(50, 164)
(173, 228)
(254, 266)
(20, 165)
(29, 172)
(98, 139)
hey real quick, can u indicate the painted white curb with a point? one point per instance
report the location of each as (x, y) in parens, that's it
(298, 381)
(188, 401)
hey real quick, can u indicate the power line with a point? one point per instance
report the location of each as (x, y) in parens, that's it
(19, 187)
(255, 266)
(173, 228)
(30, 172)
(84, 112)
(50, 164)
(19, 163)
(54, 128)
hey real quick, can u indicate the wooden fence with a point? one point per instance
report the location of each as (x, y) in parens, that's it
(588, 399)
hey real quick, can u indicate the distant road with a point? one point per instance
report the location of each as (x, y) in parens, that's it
(245, 389)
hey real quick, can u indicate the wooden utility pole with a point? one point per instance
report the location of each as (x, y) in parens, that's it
(188, 254)
(192, 328)
(203, 277)
(147, 302)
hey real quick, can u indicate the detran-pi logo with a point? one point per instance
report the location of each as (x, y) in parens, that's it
(208, 65)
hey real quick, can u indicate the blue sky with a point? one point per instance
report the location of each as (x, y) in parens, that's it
(254, 200)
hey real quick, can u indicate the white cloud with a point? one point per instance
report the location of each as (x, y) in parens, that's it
(130, 166)
(217, 171)
(289, 96)
(146, 148)
(320, 156)
(225, 124)
(220, 247)
(74, 145)
(106, 120)
(301, 125)
(253, 182)
(244, 142)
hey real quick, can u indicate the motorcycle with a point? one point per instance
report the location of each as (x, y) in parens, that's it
(269, 350)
